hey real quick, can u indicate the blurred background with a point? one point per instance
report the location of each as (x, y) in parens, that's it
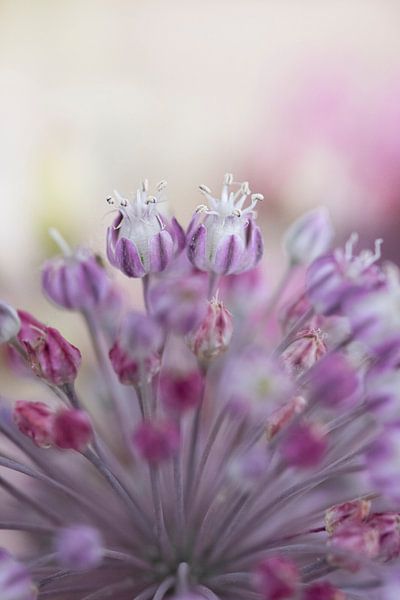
(300, 97)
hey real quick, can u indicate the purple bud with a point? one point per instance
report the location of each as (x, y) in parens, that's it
(214, 334)
(15, 580)
(76, 281)
(309, 237)
(333, 382)
(157, 441)
(35, 420)
(388, 527)
(283, 415)
(79, 547)
(140, 335)
(355, 511)
(179, 304)
(277, 578)
(72, 430)
(181, 391)
(141, 240)
(50, 356)
(222, 237)
(322, 590)
(304, 445)
(10, 323)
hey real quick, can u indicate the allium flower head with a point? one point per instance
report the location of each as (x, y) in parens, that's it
(214, 454)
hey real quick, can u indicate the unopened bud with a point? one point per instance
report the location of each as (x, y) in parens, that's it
(355, 510)
(309, 237)
(72, 430)
(156, 441)
(282, 416)
(304, 351)
(79, 547)
(35, 420)
(214, 334)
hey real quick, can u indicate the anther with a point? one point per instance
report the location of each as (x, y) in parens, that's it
(237, 212)
(228, 179)
(145, 185)
(257, 197)
(245, 188)
(204, 189)
(110, 200)
(161, 186)
(201, 208)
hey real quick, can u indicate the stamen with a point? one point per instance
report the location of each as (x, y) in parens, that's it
(237, 212)
(161, 186)
(245, 188)
(60, 241)
(228, 179)
(204, 189)
(110, 200)
(257, 197)
(151, 200)
(202, 208)
(145, 185)
(349, 247)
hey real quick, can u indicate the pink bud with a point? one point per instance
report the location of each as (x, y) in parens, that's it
(323, 590)
(304, 445)
(304, 351)
(277, 578)
(353, 540)
(387, 526)
(355, 511)
(156, 441)
(282, 416)
(50, 356)
(214, 334)
(35, 420)
(181, 391)
(130, 370)
(72, 430)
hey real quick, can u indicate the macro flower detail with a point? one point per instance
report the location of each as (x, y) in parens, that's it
(215, 448)
(222, 236)
(141, 240)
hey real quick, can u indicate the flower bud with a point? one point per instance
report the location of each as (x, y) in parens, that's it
(223, 237)
(388, 527)
(304, 445)
(76, 281)
(214, 334)
(304, 351)
(140, 335)
(15, 580)
(179, 305)
(129, 370)
(355, 511)
(10, 323)
(50, 356)
(156, 441)
(79, 547)
(72, 430)
(141, 240)
(277, 578)
(350, 541)
(322, 590)
(309, 237)
(180, 391)
(35, 420)
(282, 416)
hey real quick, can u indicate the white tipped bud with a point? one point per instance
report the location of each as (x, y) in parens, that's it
(214, 334)
(309, 237)
(9, 323)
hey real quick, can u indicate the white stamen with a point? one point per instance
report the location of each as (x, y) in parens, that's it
(237, 212)
(349, 247)
(145, 185)
(110, 200)
(245, 188)
(161, 186)
(257, 197)
(60, 241)
(201, 208)
(228, 179)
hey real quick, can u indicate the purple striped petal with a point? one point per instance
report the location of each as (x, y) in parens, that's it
(161, 249)
(254, 246)
(177, 233)
(197, 248)
(127, 259)
(229, 255)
